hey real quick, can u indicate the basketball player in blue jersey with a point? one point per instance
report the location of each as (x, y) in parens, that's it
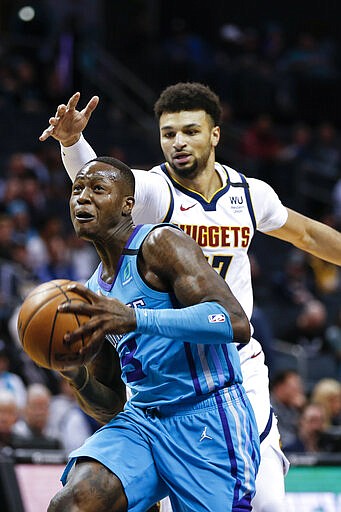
(188, 429)
(221, 209)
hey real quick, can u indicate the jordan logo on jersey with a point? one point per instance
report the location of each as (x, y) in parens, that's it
(204, 435)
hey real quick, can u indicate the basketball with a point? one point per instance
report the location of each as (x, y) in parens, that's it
(41, 327)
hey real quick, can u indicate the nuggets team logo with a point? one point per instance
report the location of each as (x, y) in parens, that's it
(127, 277)
(219, 317)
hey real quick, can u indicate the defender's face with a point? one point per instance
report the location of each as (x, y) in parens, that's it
(96, 201)
(188, 140)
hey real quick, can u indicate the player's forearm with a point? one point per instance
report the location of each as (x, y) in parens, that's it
(95, 398)
(207, 322)
(325, 243)
(76, 155)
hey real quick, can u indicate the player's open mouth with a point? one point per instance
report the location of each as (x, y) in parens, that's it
(181, 158)
(83, 216)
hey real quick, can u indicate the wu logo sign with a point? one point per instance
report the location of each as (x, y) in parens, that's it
(236, 200)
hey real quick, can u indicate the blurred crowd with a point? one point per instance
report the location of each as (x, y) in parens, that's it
(280, 124)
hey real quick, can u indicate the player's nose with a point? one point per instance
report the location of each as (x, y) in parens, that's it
(179, 141)
(84, 196)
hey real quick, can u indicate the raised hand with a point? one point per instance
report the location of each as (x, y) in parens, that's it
(68, 123)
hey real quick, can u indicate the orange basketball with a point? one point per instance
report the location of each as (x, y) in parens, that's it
(41, 327)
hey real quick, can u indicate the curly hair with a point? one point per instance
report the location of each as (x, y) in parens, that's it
(189, 96)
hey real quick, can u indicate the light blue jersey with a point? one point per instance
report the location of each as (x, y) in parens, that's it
(162, 370)
(189, 430)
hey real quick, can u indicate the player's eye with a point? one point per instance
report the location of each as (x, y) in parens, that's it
(76, 189)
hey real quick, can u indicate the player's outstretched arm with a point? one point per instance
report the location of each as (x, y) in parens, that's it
(68, 123)
(311, 236)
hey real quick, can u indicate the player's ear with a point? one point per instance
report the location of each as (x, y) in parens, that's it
(215, 135)
(128, 205)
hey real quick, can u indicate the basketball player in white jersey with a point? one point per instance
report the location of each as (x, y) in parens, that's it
(221, 210)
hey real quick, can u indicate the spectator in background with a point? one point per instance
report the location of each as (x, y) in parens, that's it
(288, 399)
(10, 381)
(311, 425)
(9, 414)
(290, 164)
(58, 264)
(321, 171)
(6, 237)
(309, 327)
(37, 246)
(292, 287)
(34, 423)
(336, 202)
(67, 422)
(261, 146)
(327, 393)
(23, 227)
(333, 339)
(83, 258)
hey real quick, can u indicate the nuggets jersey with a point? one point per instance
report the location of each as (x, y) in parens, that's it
(225, 225)
(161, 370)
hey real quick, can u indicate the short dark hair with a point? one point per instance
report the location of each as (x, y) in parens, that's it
(125, 172)
(281, 376)
(189, 96)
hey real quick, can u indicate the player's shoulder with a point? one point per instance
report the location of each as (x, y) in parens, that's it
(258, 186)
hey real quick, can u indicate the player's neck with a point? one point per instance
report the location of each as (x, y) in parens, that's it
(206, 182)
(110, 250)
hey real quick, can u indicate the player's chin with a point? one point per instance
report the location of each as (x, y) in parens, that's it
(84, 231)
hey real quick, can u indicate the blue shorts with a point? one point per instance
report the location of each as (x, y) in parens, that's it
(205, 455)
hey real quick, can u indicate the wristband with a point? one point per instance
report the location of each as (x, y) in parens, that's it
(207, 322)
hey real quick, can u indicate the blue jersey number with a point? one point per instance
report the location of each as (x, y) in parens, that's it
(128, 359)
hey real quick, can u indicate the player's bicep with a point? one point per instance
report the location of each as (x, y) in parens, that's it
(180, 262)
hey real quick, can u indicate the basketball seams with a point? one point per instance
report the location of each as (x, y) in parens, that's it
(41, 330)
(50, 299)
(50, 345)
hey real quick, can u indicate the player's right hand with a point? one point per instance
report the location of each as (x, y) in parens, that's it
(68, 123)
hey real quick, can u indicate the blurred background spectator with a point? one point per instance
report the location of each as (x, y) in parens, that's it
(33, 424)
(311, 425)
(288, 398)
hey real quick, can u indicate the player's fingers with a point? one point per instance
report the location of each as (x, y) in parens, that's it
(81, 290)
(88, 110)
(46, 133)
(86, 330)
(79, 308)
(92, 346)
(72, 103)
(61, 110)
(62, 105)
(54, 120)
